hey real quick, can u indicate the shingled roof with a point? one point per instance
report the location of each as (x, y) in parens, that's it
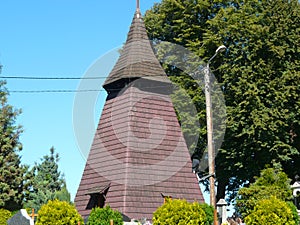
(137, 59)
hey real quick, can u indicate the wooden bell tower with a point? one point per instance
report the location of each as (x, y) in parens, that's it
(138, 151)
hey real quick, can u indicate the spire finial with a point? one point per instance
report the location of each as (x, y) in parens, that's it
(137, 4)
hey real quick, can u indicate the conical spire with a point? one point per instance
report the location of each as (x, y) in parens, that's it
(137, 59)
(137, 5)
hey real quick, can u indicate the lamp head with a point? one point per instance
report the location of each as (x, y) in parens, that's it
(221, 48)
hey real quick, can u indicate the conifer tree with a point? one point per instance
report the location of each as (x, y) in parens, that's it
(47, 183)
(12, 173)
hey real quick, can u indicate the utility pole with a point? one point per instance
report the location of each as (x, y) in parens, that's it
(210, 144)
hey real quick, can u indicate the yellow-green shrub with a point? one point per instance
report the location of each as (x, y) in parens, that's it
(271, 211)
(4, 216)
(58, 213)
(179, 212)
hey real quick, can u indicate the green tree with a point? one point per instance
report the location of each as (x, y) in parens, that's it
(46, 173)
(259, 75)
(59, 213)
(12, 173)
(47, 183)
(271, 183)
(63, 194)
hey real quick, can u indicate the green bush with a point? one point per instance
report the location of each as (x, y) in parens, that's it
(58, 213)
(272, 182)
(180, 212)
(102, 216)
(271, 211)
(209, 213)
(4, 216)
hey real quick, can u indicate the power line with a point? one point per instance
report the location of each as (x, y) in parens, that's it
(58, 78)
(51, 91)
(77, 91)
(50, 78)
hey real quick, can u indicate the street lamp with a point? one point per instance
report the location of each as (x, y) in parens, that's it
(210, 145)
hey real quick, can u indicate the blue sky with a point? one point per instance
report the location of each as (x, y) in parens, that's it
(57, 38)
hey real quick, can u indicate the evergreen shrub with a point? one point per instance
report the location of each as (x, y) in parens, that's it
(102, 216)
(58, 213)
(271, 211)
(4, 216)
(181, 212)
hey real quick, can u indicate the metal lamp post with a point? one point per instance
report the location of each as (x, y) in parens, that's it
(210, 145)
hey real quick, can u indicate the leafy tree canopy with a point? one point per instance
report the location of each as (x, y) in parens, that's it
(259, 77)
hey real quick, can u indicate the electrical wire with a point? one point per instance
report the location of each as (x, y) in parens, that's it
(50, 91)
(77, 91)
(56, 78)
(50, 78)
